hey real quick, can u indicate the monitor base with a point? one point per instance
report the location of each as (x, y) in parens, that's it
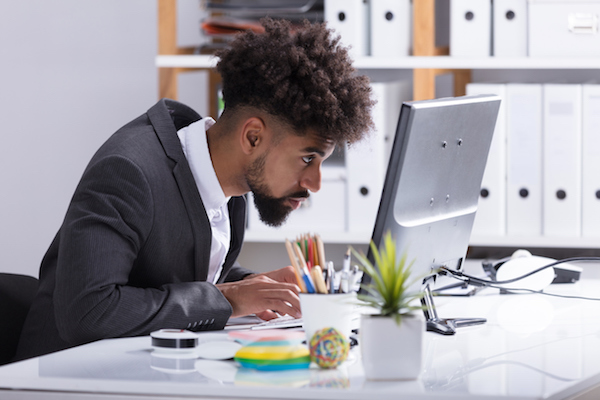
(444, 326)
(448, 326)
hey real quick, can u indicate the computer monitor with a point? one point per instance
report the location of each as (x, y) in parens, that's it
(432, 188)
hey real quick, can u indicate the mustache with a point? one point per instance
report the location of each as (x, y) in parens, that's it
(299, 195)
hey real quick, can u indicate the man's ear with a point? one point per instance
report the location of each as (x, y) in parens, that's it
(252, 134)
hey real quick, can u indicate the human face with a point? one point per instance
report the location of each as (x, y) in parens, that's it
(281, 178)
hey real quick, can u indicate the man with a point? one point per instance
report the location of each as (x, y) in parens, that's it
(154, 228)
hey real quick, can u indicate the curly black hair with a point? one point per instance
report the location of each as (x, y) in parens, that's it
(303, 76)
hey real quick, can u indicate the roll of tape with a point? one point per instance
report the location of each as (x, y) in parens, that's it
(174, 340)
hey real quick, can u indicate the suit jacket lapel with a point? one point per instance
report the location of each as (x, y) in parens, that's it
(237, 218)
(167, 116)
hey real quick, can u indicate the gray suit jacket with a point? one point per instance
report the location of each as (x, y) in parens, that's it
(133, 251)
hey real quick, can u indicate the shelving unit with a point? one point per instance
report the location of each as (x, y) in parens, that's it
(535, 242)
(167, 47)
(173, 60)
(426, 64)
(328, 237)
(413, 62)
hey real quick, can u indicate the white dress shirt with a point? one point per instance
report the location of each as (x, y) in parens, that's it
(195, 147)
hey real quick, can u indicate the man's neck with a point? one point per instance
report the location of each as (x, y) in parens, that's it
(226, 160)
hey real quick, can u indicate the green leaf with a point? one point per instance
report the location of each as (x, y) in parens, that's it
(390, 279)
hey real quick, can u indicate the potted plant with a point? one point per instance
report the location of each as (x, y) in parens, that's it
(390, 339)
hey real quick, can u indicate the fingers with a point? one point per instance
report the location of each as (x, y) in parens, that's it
(267, 315)
(261, 293)
(264, 281)
(286, 274)
(276, 303)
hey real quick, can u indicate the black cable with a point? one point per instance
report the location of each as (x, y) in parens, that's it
(564, 296)
(484, 281)
(475, 281)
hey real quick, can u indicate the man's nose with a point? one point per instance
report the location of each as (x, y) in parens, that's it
(312, 179)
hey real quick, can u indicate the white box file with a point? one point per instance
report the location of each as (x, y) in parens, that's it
(590, 201)
(350, 19)
(564, 28)
(470, 28)
(367, 161)
(390, 28)
(562, 160)
(490, 219)
(524, 126)
(510, 28)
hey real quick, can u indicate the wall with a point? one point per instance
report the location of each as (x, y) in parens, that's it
(72, 72)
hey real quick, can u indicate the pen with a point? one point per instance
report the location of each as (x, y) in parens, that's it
(317, 277)
(302, 245)
(320, 251)
(344, 283)
(310, 260)
(297, 270)
(356, 276)
(316, 256)
(331, 276)
(308, 281)
(310, 287)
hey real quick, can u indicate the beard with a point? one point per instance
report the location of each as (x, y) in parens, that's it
(273, 211)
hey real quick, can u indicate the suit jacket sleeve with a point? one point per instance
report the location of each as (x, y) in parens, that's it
(237, 273)
(104, 233)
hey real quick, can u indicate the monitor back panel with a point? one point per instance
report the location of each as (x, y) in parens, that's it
(434, 177)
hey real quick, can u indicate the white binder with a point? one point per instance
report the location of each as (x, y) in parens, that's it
(366, 161)
(562, 160)
(390, 28)
(590, 213)
(490, 219)
(524, 159)
(564, 28)
(510, 28)
(470, 28)
(350, 19)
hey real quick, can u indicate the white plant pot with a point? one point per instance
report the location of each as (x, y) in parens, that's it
(389, 351)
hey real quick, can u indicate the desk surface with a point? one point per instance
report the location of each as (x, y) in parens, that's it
(532, 347)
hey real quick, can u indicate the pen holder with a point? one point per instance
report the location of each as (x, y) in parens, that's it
(322, 311)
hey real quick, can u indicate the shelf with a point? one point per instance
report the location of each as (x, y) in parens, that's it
(447, 62)
(279, 236)
(186, 61)
(535, 242)
(437, 62)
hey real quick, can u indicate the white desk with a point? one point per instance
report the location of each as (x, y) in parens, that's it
(532, 347)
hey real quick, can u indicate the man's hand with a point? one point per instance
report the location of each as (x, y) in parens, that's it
(286, 274)
(264, 294)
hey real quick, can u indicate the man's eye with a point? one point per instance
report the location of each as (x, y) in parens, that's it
(308, 159)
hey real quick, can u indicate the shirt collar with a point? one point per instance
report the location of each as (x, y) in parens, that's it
(195, 146)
